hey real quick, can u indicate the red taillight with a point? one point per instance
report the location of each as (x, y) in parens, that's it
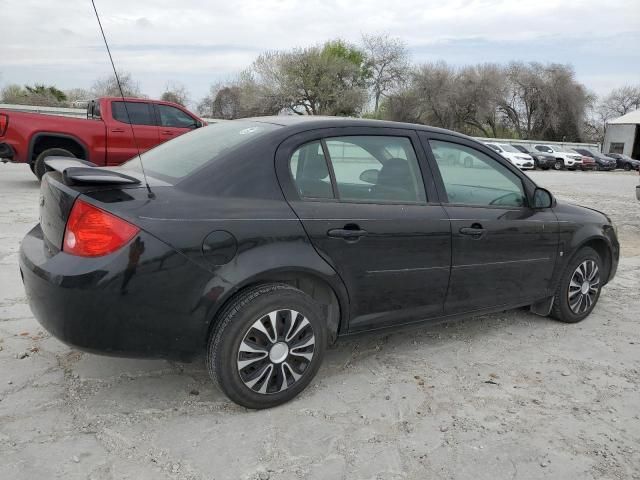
(92, 232)
(4, 123)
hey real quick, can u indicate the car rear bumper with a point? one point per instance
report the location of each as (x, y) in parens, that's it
(112, 306)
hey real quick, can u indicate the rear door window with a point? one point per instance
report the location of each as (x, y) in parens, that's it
(139, 113)
(310, 171)
(376, 169)
(371, 169)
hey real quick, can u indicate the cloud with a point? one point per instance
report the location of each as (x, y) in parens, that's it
(199, 42)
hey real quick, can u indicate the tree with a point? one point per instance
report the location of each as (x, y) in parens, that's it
(175, 92)
(38, 94)
(328, 80)
(387, 59)
(243, 97)
(76, 96)
(621, 101)
(520, 100)
(13, 94)
(108, 86)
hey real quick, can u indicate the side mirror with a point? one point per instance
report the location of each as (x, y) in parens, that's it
(370, 176)
(542, 198)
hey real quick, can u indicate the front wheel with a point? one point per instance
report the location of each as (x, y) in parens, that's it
(559, 165)
(627, 167)
(268, 346)
(579, 287)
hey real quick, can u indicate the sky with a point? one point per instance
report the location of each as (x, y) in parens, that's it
(199, 43)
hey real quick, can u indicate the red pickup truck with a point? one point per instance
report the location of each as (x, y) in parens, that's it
(104, 138)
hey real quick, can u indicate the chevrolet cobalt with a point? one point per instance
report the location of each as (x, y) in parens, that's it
(261, 241)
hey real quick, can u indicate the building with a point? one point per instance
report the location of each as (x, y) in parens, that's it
(622, 135)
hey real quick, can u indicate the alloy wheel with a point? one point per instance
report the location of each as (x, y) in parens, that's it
(276, 351)
(583, 287)
(559, 165)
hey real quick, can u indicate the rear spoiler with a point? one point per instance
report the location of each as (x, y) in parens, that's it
(75, 171)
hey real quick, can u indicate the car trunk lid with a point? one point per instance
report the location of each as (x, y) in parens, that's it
(68, 179)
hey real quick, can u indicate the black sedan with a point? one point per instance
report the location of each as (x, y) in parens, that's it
(542, 160)
(261, 241)
(625, 161)
(602, 161)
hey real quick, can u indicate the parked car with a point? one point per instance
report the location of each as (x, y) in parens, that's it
(544, 161)
(565, 158)
(602, 161)
(625, 161)
(104, 138)
(260, 241)
(521, 160)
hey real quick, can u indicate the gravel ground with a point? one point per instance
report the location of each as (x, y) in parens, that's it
(510, 395)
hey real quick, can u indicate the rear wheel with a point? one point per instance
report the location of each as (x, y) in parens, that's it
(597, 167)
(579, 288)
(559, 165)
(38, 166)
(627, 167)
(268, 346)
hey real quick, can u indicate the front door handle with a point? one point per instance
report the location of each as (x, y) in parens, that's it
(117, 130)
(166, 132)
(349, 234)
(475, 231)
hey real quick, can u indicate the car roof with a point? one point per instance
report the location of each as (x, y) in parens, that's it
(312, 122)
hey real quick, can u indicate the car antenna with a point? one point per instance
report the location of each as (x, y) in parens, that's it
(150, 194)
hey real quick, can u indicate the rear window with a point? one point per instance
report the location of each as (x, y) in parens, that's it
(185, 154)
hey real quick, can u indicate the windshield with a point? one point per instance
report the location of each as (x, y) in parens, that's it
(509, 148)
(186, 154)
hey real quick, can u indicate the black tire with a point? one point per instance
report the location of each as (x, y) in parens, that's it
(39, 167)
(559, 165)
(238, 320)
(562, 309)
(597, 167)
(627, 167)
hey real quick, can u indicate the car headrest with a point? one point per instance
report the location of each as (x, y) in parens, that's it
(315, 168)
(395, 172)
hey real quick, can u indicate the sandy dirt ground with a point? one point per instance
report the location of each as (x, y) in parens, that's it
(510, 395)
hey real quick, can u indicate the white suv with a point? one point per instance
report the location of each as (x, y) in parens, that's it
(521, 160)
(564, 156)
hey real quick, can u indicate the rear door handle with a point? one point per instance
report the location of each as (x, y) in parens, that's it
(476, 231)
(166, 132)
(117, 130)
(347, 233)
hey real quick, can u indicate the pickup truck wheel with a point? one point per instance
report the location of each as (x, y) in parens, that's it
(267, 346)
(38, 166)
